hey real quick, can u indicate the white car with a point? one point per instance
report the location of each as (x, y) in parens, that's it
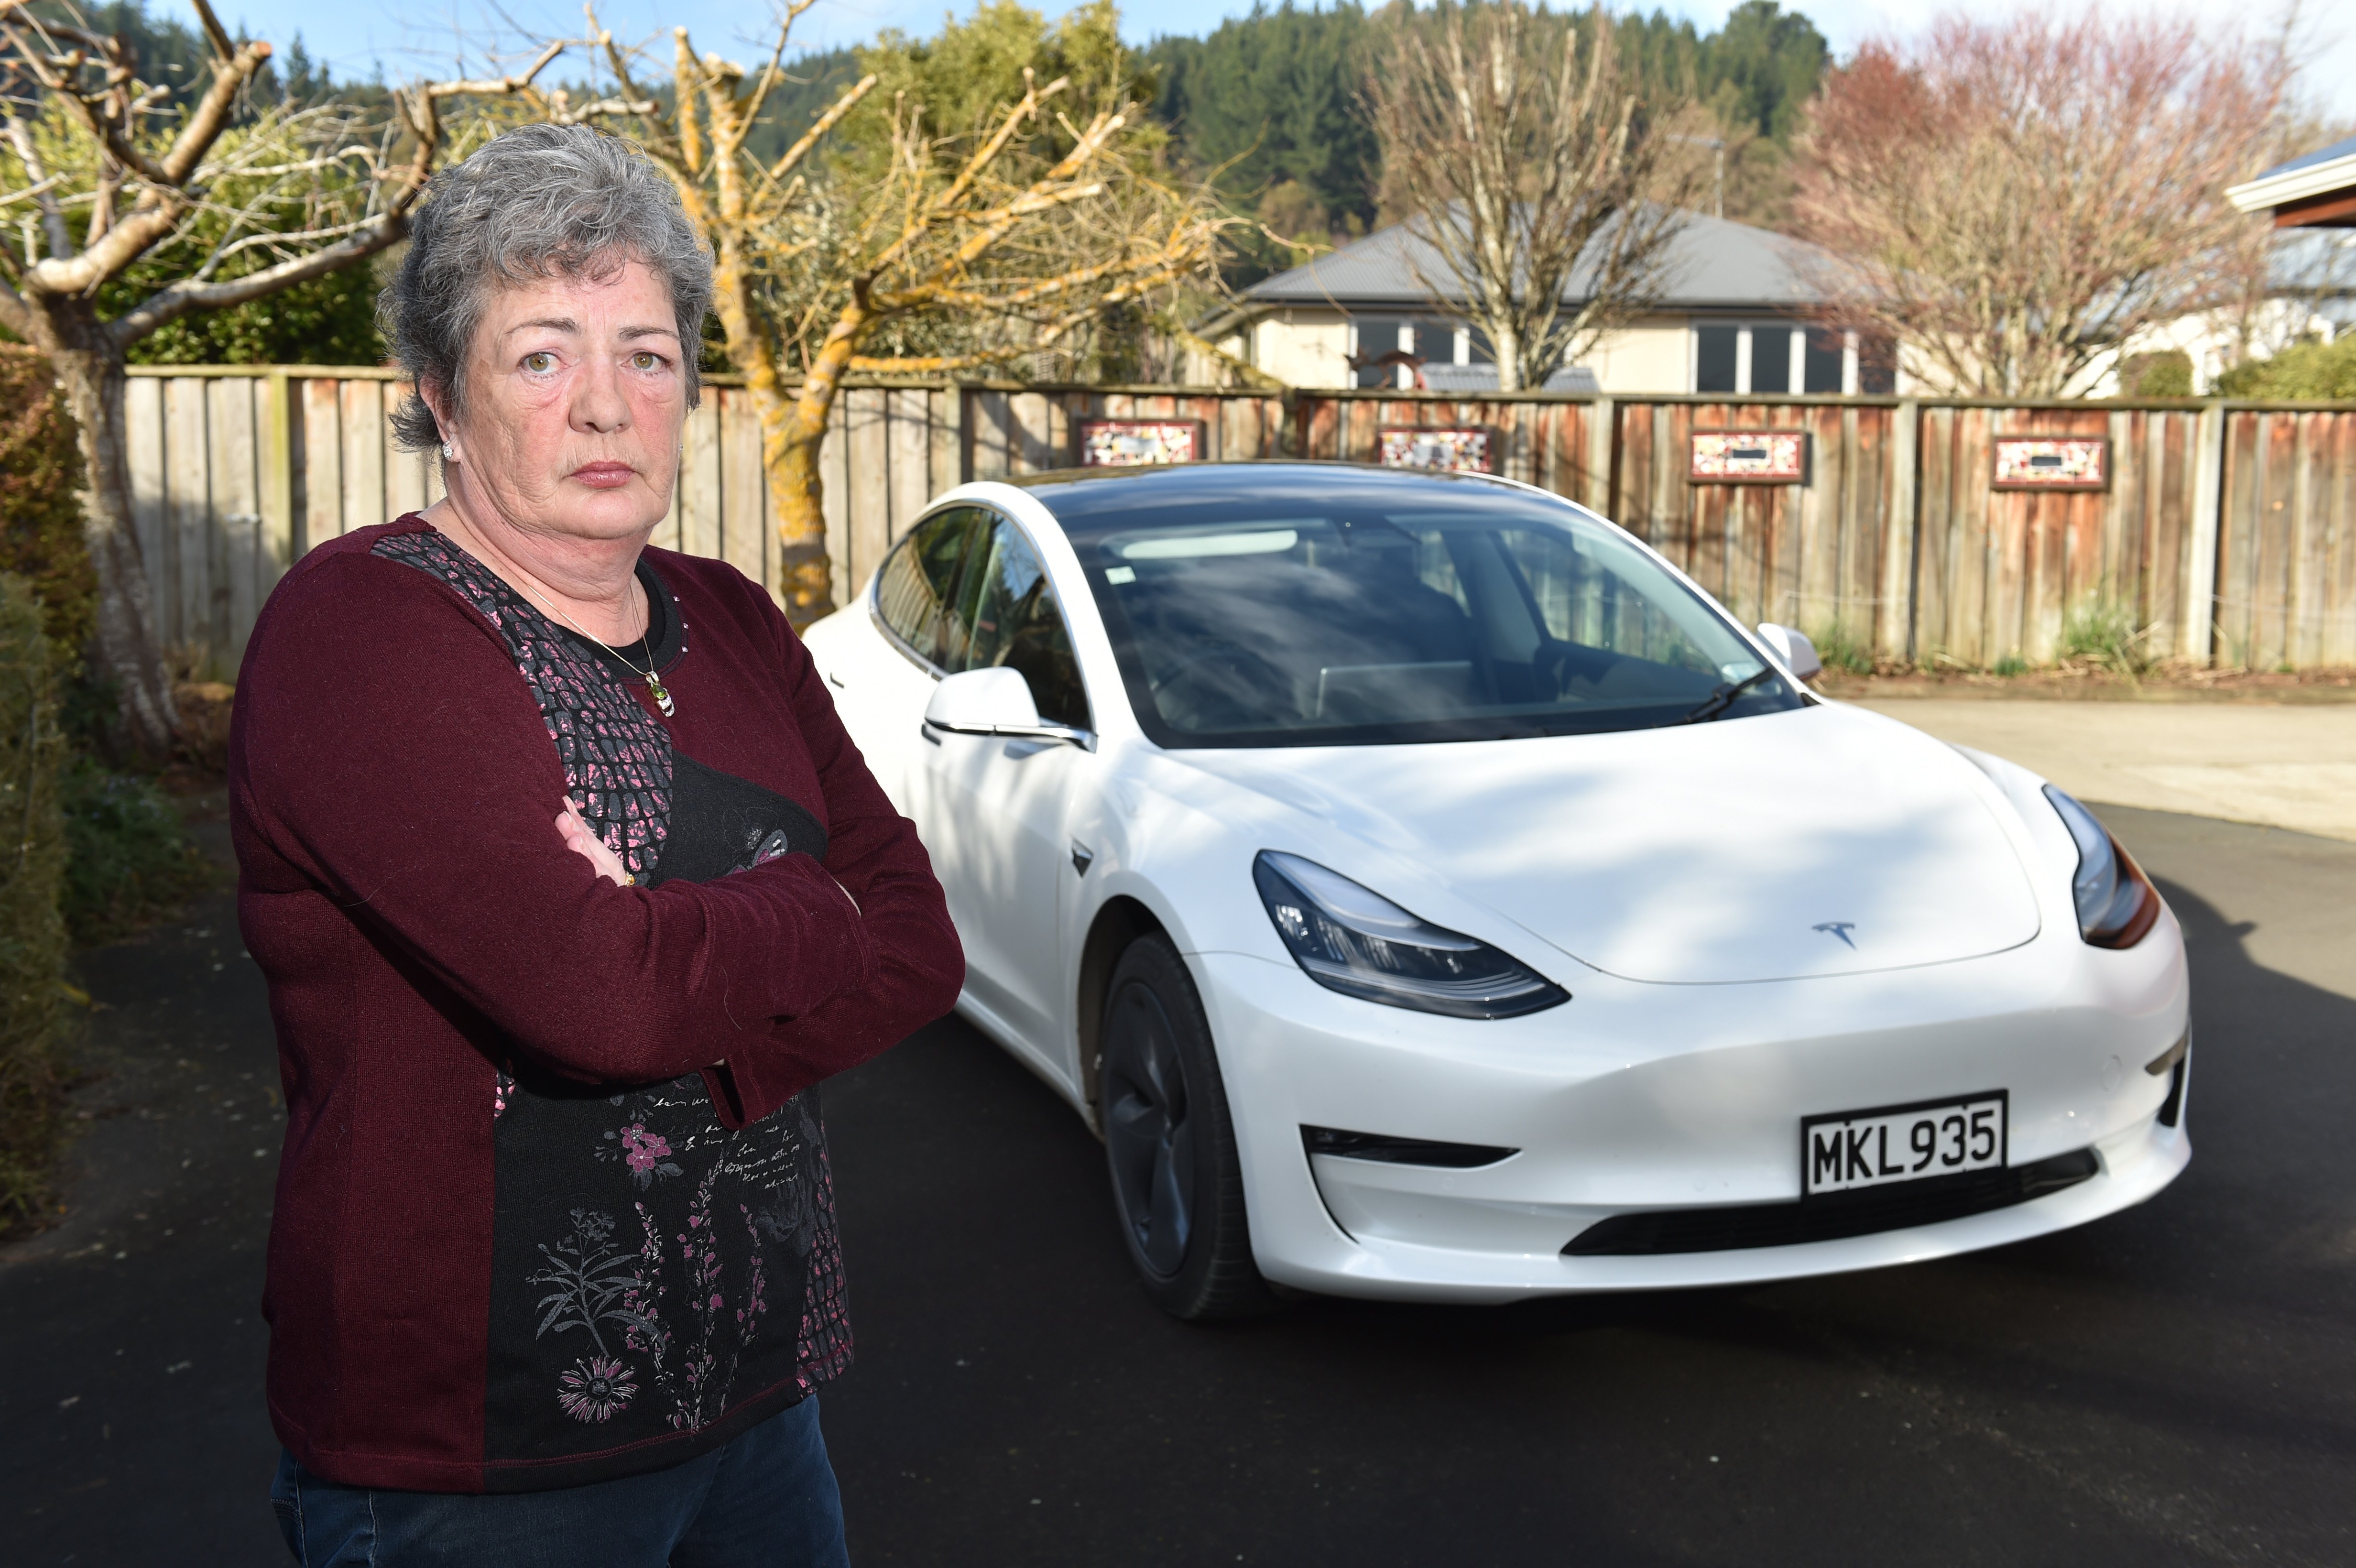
(1430, 892)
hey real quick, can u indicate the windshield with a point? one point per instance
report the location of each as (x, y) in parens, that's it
(1361, 611)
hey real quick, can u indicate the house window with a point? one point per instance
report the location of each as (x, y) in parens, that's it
(1767, 357)
(1428, 340)
(1751, 357)
(1377, 335)
(1717, 359)
(1770, 360)
(1828, 353)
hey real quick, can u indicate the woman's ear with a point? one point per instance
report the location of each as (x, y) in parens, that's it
(437, 403)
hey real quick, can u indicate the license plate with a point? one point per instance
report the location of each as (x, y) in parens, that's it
(1844, 1150)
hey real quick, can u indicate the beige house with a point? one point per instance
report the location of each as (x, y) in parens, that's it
(1735, 316)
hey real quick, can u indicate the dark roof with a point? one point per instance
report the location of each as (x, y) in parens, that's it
(1713, 264)
(2306, 160)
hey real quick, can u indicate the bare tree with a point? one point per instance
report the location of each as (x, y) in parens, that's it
(255, 198)
(2015, 200)
(1005, 249)
(1540, 175)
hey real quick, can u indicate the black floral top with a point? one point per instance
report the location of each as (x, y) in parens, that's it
(655, 1273)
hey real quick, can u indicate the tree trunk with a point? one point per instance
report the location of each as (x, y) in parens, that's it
(88, 369)
(793, 431)
(793, 427)
(1505, 348)
(789, 451)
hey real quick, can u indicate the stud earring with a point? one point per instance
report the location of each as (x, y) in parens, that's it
(448, 451)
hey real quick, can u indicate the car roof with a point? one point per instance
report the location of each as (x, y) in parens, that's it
(1081, 495)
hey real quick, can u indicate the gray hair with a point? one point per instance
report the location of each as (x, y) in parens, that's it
(541, 201)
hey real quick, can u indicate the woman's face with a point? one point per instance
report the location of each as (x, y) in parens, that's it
(575, 396)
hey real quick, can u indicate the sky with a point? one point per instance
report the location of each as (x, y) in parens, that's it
(411, 38)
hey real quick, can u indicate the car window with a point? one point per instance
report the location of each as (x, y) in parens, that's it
(1349, 619)
(920, 576)
(1014, 621)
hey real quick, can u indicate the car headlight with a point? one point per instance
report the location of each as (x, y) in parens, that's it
(1358, 943)
(2117, 903)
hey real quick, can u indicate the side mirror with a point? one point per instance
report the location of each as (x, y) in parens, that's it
(995, 701)
(1798, 654)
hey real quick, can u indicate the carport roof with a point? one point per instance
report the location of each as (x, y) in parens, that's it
(2315, 190)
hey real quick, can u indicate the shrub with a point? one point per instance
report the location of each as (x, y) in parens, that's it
(32, 935)
(130, 858)
(2105, 631)
(40, 501)
(2308, 369)
(2166, 374)
(1842, 648)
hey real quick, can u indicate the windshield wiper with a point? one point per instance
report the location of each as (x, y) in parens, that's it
(1718, 702)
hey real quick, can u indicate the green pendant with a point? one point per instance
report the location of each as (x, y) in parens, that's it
(661, 696)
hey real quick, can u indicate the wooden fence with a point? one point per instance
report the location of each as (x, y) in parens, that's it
(2227, 533)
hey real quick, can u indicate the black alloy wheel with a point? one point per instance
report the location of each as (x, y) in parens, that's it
(1177, 1184)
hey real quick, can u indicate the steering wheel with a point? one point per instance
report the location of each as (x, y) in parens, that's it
(1551, 667)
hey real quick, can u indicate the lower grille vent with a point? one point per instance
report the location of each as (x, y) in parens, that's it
(1833, 1217)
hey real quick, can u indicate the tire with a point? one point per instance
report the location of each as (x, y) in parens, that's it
(1170, 1149)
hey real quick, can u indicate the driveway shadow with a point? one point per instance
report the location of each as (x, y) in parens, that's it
(2175, 1384)
(2170, 1384)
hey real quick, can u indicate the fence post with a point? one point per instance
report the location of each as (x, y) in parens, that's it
(2198, 616)
(280, 543)
(949, 467)
(1602, 441)
(1894, 625)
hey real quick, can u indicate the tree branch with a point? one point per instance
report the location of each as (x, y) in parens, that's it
(499, 86)
(769, 73)
(125, 243)
(210, 116)
(822, 124)
(169, 303)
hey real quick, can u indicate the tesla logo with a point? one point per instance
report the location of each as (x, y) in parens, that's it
(1840, 928)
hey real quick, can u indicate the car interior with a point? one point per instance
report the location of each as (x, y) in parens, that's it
(1346, 621)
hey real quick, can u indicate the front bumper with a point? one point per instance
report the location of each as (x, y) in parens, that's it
(1635, 1097)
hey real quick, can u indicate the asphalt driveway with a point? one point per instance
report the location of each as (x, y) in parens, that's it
(2174, 1384)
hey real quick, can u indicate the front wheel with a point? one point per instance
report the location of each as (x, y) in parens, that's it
(1177, 1184)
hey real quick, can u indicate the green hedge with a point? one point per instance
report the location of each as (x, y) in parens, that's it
(33, 983)
(40, 501)
(2308, 369)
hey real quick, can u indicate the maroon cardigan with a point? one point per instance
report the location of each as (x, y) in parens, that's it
(428, 941)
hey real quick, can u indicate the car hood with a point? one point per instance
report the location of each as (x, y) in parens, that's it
(1822, 841)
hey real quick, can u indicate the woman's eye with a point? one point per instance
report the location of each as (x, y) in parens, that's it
(540, 363)
(646, 360)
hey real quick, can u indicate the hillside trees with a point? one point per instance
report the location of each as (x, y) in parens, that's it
(1273, 104)
(2018, 197)
(1537, 169)
(232, 200)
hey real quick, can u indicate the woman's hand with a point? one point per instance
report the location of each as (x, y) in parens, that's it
(590, 847)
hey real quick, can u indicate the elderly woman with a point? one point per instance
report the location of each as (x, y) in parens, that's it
(569, 890)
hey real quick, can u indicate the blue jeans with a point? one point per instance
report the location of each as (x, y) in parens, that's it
(767, 1498)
